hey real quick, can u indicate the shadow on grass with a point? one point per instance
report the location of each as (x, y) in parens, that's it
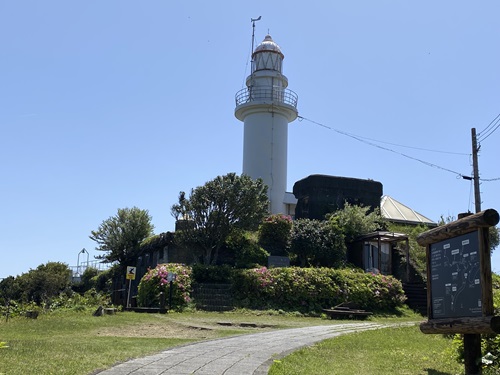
(396, 312)
(431, 371)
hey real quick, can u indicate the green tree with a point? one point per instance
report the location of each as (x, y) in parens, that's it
(9, 290)
(120, 236)
(417, 252)
(215, 209)
(357, 220)
(317, 243)
(45, 282)
(494, 238)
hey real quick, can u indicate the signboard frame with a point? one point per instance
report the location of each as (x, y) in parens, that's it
(463, 323)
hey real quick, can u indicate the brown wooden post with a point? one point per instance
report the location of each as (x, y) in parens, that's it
(472, 342)
(472, 354)
(407, 244)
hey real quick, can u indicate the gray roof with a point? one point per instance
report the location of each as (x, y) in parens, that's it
(395, 211)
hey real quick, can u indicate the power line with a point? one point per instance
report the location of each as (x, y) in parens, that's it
(492, 121)
(363, 140)
(387, 143)
(415, 148)
(490, 129)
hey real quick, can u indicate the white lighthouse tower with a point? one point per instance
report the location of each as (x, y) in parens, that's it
(266, 107)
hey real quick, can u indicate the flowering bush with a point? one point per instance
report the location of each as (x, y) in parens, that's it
(155, 281)
(372, 291)
(274, 234)
(311, 289)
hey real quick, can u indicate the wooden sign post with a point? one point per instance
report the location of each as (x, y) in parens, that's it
(459, 287)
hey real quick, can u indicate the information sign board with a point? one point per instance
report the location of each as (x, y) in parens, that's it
(131, 273)
(456, 277)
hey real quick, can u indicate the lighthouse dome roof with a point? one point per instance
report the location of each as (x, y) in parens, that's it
(268, 45)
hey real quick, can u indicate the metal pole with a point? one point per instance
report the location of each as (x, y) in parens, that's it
(128, 296)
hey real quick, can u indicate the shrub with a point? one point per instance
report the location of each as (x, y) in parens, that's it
(311, 289)
(15, 309)
(274, 234)
(247, 252)
(155, 281)
(79, 302)
(211, 274)
(317, 243)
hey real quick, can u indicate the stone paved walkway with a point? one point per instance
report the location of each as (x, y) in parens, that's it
(238, 355)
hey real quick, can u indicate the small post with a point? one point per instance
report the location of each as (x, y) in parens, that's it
(163, 310)
(170, 295)
(128, 296)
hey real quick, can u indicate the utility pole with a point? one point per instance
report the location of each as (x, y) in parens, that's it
(472, 342)
(475, 167)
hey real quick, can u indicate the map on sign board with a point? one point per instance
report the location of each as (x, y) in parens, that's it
(455, 277)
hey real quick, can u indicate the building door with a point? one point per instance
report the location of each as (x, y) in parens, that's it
(377, 260)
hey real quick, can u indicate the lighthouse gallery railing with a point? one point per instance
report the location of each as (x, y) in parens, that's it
(267, 93)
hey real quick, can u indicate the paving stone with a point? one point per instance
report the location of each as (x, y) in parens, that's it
(240, 355)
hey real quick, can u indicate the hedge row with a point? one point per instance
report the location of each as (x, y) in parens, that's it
(291, 288)
(312, 289)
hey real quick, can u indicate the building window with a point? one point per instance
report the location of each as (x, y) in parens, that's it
(377, 260)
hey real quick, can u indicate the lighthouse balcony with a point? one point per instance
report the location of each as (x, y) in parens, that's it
(272, 94)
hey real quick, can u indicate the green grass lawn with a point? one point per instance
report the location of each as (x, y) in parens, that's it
(401, 351)
(78, 343)
(71, 343)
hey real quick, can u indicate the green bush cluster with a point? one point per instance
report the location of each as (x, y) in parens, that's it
(211, 274)
(80, 302)
(15, 309)
(68, 300)
(310, 289)
(247, 252)
(155, 282)
(274, 234)
(316, 243)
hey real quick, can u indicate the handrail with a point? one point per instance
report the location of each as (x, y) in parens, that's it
(272, 93)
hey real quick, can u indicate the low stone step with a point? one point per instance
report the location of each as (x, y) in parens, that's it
(213, 297)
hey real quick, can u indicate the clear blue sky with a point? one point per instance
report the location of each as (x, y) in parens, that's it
(113, 104)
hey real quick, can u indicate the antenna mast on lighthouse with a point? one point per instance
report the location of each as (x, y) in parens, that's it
(253, 20)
